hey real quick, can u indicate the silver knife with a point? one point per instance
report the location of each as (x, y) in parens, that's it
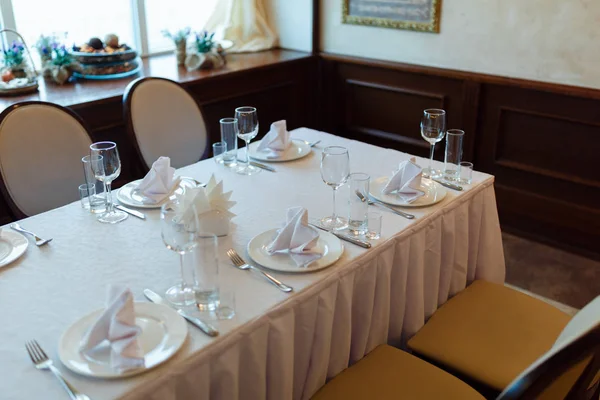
(130, 211)
(204, 327)
(449, 185)
(263, 166)
(358, 242)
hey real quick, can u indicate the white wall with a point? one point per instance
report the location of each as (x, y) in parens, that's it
(292, 20)
(545, 40)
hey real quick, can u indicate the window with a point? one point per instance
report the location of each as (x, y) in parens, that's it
(174, 15)
(81, 20)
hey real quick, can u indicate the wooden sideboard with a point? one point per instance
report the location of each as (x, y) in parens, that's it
(540, 140)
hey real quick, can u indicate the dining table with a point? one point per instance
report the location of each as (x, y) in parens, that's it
(278, 345)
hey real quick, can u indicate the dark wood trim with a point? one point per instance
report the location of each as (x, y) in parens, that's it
(575, 91)
(127, 99)
(395, 89)
(17, 212)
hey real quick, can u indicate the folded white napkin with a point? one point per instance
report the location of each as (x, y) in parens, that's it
(194, 202)
(117, 326)
(277, 141)
(406, 181)
(297, 238)
(159, 182)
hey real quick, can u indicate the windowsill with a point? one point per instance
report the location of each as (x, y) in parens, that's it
(164, 66)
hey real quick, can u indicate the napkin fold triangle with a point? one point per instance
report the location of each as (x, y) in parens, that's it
(406, 181)
(276, 141)
(297, 238)
(117, 326)
(159, 182)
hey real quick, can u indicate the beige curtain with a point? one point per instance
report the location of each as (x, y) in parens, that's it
(244, 22)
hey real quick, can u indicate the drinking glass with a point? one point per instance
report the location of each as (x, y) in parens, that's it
(97, 200)
(86, 192)
(453, 155)
(374, 225)
(247, 123)
(226, 308)
(466, 172)
(179, 236)
(205, 266)
(357, 219)
(335, 169)
(107, 170)
(219, 150)
(229, 135)
(433, 127)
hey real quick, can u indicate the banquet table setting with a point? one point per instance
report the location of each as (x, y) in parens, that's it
(301, 293)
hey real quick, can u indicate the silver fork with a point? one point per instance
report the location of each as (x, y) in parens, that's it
(38, 240)
(41, 361)
(241, 264)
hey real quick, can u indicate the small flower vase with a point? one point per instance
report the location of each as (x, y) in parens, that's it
(214, 222)
(180, 52)
(46, 60)
(61, 74)
(19, 71)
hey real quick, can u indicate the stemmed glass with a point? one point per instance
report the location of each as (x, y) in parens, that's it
(335, 169)
(433, 128)
(179, 236)
(247, 120)
(107, 170)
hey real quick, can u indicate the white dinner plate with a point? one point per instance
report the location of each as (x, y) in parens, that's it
(163, 333)
(434, 193)
(12, 246)
(298, 149)
(129, 196)
(330, 245)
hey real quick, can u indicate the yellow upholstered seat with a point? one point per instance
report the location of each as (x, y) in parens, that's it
(389, 373)
(489, 333)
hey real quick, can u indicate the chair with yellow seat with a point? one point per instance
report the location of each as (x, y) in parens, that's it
(489, 333)
(388, 373)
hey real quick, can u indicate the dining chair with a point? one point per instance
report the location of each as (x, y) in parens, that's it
(163, 119)
(565, 371)
(41, 146)
(488, 334)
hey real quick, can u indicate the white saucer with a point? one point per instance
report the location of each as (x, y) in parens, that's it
(434, 193)
(298, 149)
(163, 333)
(12, 246)
(128, 196)
(330, 245)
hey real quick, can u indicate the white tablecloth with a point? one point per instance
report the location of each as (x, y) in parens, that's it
(278, 346)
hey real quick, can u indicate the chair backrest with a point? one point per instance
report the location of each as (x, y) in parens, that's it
(41, 145)
(163, 119)
(569, 367)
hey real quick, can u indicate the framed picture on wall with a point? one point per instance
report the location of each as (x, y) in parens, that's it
(416, 15)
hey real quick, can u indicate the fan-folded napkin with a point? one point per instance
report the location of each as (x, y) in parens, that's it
(297, 238)
(194, 203)
(277, 141)
(406, 181)
(117, 326)
(159, 182)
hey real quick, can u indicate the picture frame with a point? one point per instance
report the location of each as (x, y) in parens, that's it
(396, 14)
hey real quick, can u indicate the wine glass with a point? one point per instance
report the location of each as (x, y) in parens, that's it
(247, 120)
(111, 169)
(335, 169)
(179, 236)
(433, 128)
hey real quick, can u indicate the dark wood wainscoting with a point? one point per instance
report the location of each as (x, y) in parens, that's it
(541, 141)
(284, 90)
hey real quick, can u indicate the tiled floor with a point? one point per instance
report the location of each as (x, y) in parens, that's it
(550, 272)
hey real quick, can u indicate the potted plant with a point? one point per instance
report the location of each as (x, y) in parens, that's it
(14, 59)
(61, 66)
(180, 39)
(207, 55)
(44, 48)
